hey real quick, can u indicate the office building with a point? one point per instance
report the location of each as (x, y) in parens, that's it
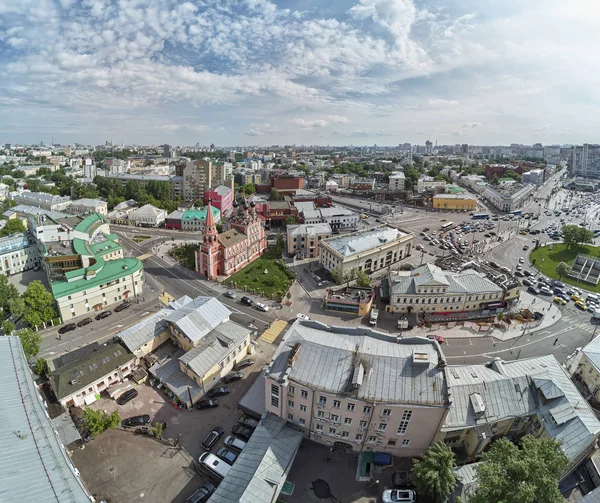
(458, 202)
(303, 240)
(509, 196)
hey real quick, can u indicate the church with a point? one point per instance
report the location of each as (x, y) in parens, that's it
(226, 253)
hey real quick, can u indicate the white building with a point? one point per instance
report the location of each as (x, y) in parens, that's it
(18, 253)
(86, 205)
(397, 180)
(89, 168)
(535, 176)
(367, 251)
(508, 197)
(426, 183)
(339, 218)
(331, 186)
(303, 240)
(43, 200)
(147, 216)
(3, 191)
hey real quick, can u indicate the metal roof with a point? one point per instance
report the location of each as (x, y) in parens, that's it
(198, 317)
(308, 229)
(521, 388)
(147, 210)
(593, 497)
(261, 469)
(140, 334)
(34, 466)
(592, 351)
(67, 431)
(392, 375)
(361, 242)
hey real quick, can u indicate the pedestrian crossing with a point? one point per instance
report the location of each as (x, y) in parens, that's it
(271, 333)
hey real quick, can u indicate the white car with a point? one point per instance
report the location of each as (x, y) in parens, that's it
(397, 495)
(261, 307)
(301, 316)
(521, 260)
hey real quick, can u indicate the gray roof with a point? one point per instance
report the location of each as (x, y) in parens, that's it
(214, 346)
(136, 336)
(25, 209)
(593, 497)
(397, 174)
(89, 202)
(253, 402)
(43, 197)
(310, 213)
(147, 210)
(169, 372)
(34, 466)
(261, 469)
(67, 431)
(592, 351)
(336, 211)
(360, 242)
(308, 229)
(175, 215)
(404, 372)
(536, 386)
(198, 317)
(223, 190)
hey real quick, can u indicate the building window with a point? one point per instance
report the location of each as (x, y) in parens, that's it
(362, 424)
(335, 418)
(366, 409)
(319, 427)
(304, 394)
(290, 417)
(391, 442)
(336, 404)
(332, 431)
(350, 407)
(322, 400)
(301, 421)
(275, 395)
(386, 412)
(358, 437)
(291, 390)
(382, 427)
(291, 404)
(345, 434)
(320, 414)
(405, 442)
(347, 420)
(302, 408)
(372, 439)
(403, 426)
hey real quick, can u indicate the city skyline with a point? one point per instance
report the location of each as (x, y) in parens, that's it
(255, 72)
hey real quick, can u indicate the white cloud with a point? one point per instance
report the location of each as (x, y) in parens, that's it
(441, 102)
(260, 130)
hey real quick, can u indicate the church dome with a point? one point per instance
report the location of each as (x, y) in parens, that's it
(246, 206)
(253, 204)
(235, 203)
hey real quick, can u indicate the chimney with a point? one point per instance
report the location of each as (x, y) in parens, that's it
(293, 354)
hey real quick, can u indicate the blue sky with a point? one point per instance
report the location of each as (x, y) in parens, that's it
(259, 72)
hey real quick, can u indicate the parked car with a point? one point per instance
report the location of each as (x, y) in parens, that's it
(230, 295)
(248, 421)
(581, 305)
(227, 455)
(528, 273)
(122, 307)
(135, 421)
(233, 376)
(559, 300)
(398, 495)
(545, 291)
(301, 316)
(85, 321)
(261, 307)
(218, 391)
(519, 274)
(67, 328)
(239, 430)
(202, 494)
(130, 394)
(247, 301)
(104, 314)
(244, 363)
(527, 282)
(211, 439)
(207, 404)
(234, 443)
(533, 290)
(438, 338)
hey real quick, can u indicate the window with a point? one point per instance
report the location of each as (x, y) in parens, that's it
(291, 404)
(319, 427)
(92, 367)
(366, 410)
(362, 424)
(345, 434)
(358, 437)
(332, 431)
(320, 414)
(290, 417)
(347, 420)
(336, 404)
(350, 407)
(291, 390)
(386, 412)
(335, 418)
(302, 408)
(304, 394)
(372, 439)
(403, 426)
(405, 442)
(391, 442)
(301, 421)
(382, 427)
(322, 400)
(275, 395)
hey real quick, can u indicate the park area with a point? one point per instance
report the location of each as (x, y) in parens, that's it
(547, 259)
(186, 255)
(267, 275)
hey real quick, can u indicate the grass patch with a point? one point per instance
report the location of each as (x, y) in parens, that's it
(560, 253)
(186, 254)
(139, 239)
(253, 276)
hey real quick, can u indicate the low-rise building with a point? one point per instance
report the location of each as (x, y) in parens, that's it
(83, 380)
(173, 220)
(303, 240)
(367, 251)
(362, 184)
(339, 218)
(35, 464)
(147, 216)
(220, 198)
(383, 394)
(352, 300)
(43, 200)
(85, 205)
(428, 183)
(509, 196)
(460, 202)
(194, 219)
(534, 176)
(397, 180)
(429, 289)
(331, 186)
(18, 253)
(588, 370)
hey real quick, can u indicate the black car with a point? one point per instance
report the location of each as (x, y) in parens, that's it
(122, 307)
(207, 404)
(519, 274)
(103, 315)
(226, 455)
(528, 273)
(67, 328)
(248, 421)
(246, 301)
(85, 321)
(527, 282)
(212, 438)
(244, 363)
(239, 430)
(135, 421)
(202, 493)
(533, 290)
(233, 376)
(219, 391)
(130, 394)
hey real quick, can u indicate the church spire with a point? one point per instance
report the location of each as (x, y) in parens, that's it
(210, 229)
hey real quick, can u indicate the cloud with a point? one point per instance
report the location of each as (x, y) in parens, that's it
(260, 130)
(441, 102)
(471, 125)
(457, 132)
(308, 124)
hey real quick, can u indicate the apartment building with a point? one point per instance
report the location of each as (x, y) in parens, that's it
(397, 180)
(508, 196)
(585, 160)
(458, 202)
(194, 219)
(303, 240)
(367, 251)
(362, 184)
(221, 198)
(86, 205)
(589, 368)
(383, 394)
(429, 289)
(42, 200)
(197, 178)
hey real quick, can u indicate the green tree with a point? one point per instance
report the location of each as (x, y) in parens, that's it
(16, 306)
(275, 195)
(219, 228)
(8, 327)
(157, 429)
(291, 220)
(41, 366)
(528, 473)
(248, 189)
(98, 422)
(8, 292)
(39, 304)
(562, 269)
(31, 342)
(573, 235)
(362, 279)
(433, 473)
(12, 226)
(495, 180)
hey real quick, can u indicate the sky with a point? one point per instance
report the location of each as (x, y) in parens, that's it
(327, 72)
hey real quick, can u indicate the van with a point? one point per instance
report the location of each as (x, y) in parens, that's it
(214, 465)
(591, 297)
(235, 443)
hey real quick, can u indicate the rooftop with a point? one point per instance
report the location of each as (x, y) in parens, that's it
(393, 371)
(231, 237)
(43, 197)
(453, 196)
(199, 213)
(308, 229)
(89, 202)
(509, 190)
(359, 242)
(34, 466)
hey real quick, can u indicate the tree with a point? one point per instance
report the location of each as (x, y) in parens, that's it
(433, 473)
(11, 227)
(219, 228)
(8, 292)
(41, 366)
(98, 422)
(362, 279)
(16, 306)
(291, 220)
(8, 327)
(527, 473)
(495, 180)
(31, 342)
(562, 269)
(275, 195)
(157, 429)
(573, 235)
(39, 304)
(248, 189)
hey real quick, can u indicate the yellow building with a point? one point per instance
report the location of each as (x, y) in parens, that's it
(461, 202)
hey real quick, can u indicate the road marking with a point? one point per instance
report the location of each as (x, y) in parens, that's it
(271, 333)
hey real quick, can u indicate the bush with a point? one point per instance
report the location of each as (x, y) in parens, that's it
(98, 422)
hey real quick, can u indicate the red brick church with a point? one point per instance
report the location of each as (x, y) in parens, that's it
(226, 253)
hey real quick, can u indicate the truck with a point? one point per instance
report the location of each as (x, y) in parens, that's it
(374, 315)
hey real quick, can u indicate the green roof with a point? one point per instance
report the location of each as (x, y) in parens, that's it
(89, 223)
(113, 355)
(80, 247)
(104, 247)
(199, 213)
(105, 271)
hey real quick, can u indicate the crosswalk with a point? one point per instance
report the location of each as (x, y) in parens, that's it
(271, 333)
(572, 316)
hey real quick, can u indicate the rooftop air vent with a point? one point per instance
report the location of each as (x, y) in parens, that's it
(358, 376)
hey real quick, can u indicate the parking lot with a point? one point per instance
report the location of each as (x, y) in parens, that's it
(188, 427)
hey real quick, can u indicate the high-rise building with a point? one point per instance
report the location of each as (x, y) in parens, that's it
(197, 178)
(428, 147)
(585, 160)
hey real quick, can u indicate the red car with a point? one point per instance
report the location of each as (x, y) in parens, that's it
(438, 338)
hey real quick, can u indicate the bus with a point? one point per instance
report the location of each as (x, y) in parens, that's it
(447, 226)
(480, 216)
(516, 212)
